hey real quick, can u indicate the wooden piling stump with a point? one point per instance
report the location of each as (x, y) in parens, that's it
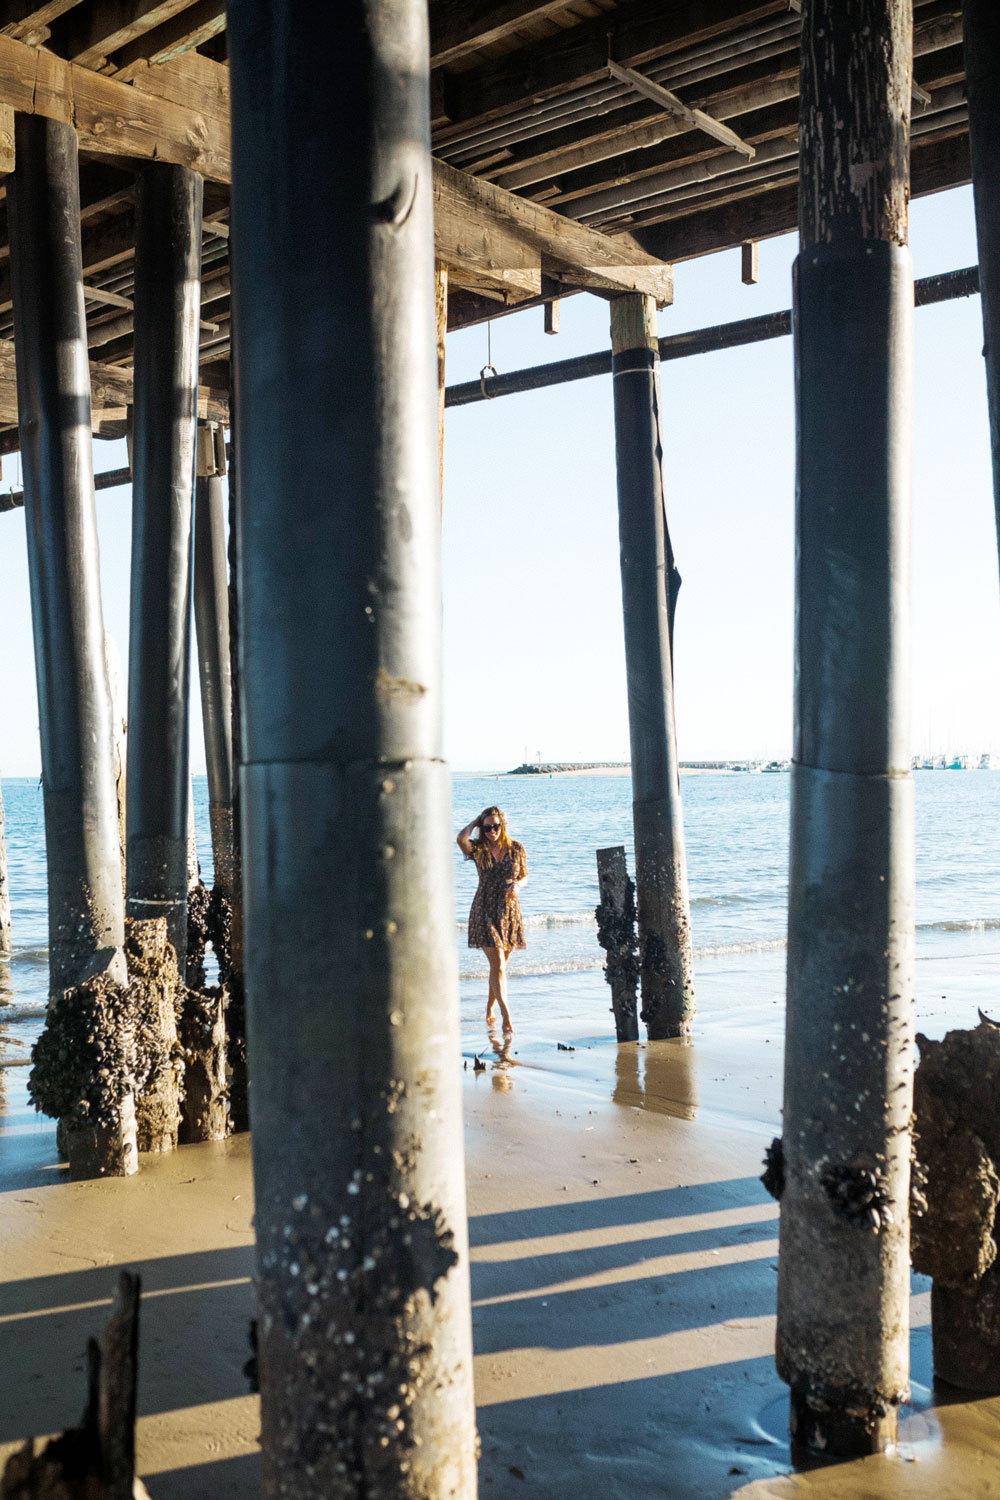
(616, 935)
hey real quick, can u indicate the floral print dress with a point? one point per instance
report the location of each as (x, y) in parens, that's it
(495, 920)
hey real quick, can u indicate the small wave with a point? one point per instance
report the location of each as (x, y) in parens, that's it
(725, 950)
(970, 924)
(533, 971)
(38, 957)
(552, 919)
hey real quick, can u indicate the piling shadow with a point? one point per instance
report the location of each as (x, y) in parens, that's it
(193, 1343)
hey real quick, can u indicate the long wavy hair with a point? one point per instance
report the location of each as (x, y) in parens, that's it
(479, 844)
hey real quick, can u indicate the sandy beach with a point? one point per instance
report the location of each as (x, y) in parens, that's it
(623, 1278)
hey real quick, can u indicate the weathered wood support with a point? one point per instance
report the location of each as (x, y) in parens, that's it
(441, 322)
(5, 931)
(649, 584)
(843, 1325)
(981, 40)
(168, 250)
(364, 1326)
(616, 935)
(211, 614)
(86, 917)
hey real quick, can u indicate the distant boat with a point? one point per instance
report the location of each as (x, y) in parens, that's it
(988, 761)
(778, 765)
(958, 763)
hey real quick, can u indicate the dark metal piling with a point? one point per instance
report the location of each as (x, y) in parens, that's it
(211, 615)
(86, 930)
(981, 43)
(364, 1326)
(168, 259)
(86, 918)
(616, 935)
(649, 584)
(843, 1326)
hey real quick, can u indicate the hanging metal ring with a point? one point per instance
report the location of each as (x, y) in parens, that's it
(487, 370)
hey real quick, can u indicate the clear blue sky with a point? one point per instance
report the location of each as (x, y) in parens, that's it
(532, 605)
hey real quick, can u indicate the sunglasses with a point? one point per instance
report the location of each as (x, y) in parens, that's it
(489, 827)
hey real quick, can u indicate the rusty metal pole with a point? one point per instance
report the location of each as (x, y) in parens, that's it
(211, 615)
(843, 1287)
(649, 583)
(981, 41)
(167, 301)
(363, 1294)
(86, 927)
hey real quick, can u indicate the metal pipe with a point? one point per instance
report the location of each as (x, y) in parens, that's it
(211, 615)
(649, 588)
(843, 1277)
(982, 57)
(364, 1326)
(86, 928)
(168, 245)
(776, 325)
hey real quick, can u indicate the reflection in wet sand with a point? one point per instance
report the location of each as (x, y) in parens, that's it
(658, 1076)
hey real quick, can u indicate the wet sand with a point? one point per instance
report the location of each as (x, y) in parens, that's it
(623, 1281)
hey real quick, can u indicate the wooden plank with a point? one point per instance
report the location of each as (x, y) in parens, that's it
(479, 226)
(636, 34)
(181, 34)
(934, 166)
(88, 34)
(111, 388)
(6, 138)
(696, 118)
(459, 27)
(30, 22)
(110, 117)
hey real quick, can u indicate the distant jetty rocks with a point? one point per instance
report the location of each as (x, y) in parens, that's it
(553, 768)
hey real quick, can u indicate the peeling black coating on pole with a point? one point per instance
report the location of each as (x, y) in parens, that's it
(843, 1324)
(649, 583)
(86, 927)
(981, 41)
(211, 613)
(167, 272)
(363, 1310)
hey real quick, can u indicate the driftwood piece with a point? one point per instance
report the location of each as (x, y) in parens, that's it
(95, 1461)
(616, 935)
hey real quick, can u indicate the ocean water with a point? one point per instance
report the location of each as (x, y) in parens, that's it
(736, 829)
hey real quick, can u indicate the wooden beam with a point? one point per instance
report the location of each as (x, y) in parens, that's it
(181, 34)
(636, 34)
(111, 387)
(479, 226)
(88, 34)
(459, 27)
(696, 119)
(111, 118)
(30, 22)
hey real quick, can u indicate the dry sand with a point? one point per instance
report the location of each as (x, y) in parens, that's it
(623, 1274)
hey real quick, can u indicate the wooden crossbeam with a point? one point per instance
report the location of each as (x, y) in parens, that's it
(696, 118)
(30, 22)
(182, 33)
(88, 34)
(111, 389)
(459, 27)
(480, 229)
(479, 226)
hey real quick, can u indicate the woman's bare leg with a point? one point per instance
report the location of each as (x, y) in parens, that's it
(493, 994)
(501, 986)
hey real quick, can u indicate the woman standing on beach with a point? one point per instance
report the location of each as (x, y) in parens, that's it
(495, 922)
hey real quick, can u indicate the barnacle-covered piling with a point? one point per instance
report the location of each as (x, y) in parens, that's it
(364, 1322)
(957, 1125)
(843, 1283)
